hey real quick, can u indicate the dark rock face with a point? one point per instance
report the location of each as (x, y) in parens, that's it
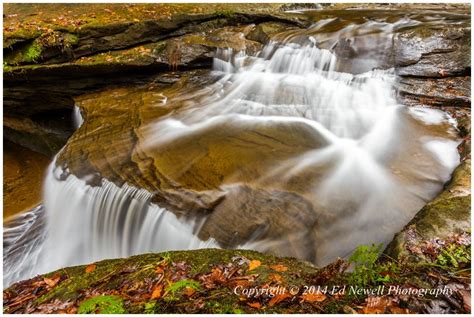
(435, 66)
(449, 91)
(39, 135)
(435, 53)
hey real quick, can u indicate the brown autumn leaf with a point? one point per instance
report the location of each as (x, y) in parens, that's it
(278, 298)
(159, 270)
(398, 310)
(157, 291)
(216, 276)
(52, 281)
(90, 268)
(275, 277)
(254, 264)
(466, 298)
(279, 268)
(189, 291)
(377, 305)
(373, 310)
(212, 279)
(313, 297)
(239, 282)
(255, 305)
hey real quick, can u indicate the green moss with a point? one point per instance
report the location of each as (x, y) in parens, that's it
(33, 53)
(159, 47)
(102, 305)
(69, 40)
(225, 13)
(225, 306)
(454, 256)
(174, 288)
(367, 269)
(143, 266)
(334, 307)
(443, 215)
(6, 67)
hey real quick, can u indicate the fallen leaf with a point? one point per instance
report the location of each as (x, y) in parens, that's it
(313, 297)
(466, 298)
(279, 268)
(278, 298)
(90, 268)
(213, 279)
(157, 291)
(159, 270)
(275, 277)
(377, 305)
(398, 310)
(254, 264)
(189, 291)
(239, 282)
(255, 305)
(52, 281)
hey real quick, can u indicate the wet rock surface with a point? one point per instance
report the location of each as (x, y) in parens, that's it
(23, 177)
(449, 91)
(433, 52)
(434, 65)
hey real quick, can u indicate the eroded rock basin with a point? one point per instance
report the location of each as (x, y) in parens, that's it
(297, 150)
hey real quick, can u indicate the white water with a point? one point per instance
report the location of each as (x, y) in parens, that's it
(381, 164)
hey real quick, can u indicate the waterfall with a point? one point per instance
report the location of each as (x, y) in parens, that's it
(23, 238)
(381, 163)
(85, 223)
(77, 117)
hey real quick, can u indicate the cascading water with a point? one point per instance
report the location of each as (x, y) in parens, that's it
(376, 164)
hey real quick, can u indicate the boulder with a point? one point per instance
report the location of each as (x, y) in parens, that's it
(248, 215)
(169, 282)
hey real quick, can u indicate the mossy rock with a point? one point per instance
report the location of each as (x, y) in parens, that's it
(130, 285)
(81, 30)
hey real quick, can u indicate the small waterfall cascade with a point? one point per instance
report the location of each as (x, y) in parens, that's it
(86, 223)
(382, 163)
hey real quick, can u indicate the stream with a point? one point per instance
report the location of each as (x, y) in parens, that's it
(300, 150)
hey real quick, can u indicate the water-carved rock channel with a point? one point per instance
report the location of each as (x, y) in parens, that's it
(302, 142)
